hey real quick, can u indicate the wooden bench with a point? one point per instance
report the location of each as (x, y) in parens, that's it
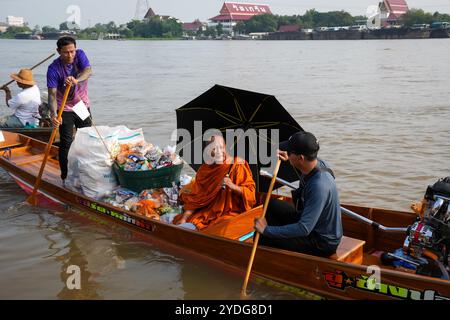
(350, 250)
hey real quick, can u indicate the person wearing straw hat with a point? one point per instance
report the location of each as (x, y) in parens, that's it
(25, 104)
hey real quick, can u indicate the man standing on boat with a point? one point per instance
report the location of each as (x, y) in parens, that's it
(25, 104)
(72, 67)
(313, 224)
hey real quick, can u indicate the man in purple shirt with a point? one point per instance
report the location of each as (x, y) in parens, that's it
(72, 67)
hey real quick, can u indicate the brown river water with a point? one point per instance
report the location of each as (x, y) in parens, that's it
(381, 110)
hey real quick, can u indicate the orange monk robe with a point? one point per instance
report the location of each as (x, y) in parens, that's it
(210, 202)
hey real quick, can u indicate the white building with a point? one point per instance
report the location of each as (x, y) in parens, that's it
(12, 21)
(3, 27)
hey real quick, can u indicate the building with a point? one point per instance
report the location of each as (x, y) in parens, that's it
(151, 14)
(12, 21)
(191, 28)
(391, 12)
(289, 28)
(3, 27)
(233, 12)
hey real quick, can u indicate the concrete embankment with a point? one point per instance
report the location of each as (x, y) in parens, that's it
(360, 35)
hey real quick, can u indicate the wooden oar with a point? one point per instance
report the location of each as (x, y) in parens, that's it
(33, 198)
(35, 66)
(255, 242)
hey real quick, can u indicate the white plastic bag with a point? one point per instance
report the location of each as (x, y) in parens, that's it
(90, 163)
(126, 135)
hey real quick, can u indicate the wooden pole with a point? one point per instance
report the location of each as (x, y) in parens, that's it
(33, 198)
(255, 242)
(35, 66)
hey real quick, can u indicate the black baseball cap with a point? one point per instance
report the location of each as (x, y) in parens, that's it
(302, 142)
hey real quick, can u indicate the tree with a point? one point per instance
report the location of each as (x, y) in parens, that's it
(219, 29)
(417, 16)
(261, 23)
(210, 32)
(111, 27)
(240, 27)
(47, 29)
(12, 31)
(64, 26)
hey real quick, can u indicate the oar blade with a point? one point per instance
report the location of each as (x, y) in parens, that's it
(33, 200)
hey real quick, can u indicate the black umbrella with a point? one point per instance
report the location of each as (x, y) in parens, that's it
(225, 108)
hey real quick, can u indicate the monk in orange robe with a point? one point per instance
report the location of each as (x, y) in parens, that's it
(222, 188)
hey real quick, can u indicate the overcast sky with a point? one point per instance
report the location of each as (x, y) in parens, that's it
(53, 12)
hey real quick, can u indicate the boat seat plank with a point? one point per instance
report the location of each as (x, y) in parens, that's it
(237, 226)
(51, 171)
(11, 140)
(349, 250)
(19, 161)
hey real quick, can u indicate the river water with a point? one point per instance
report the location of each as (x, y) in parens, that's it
(381, 110)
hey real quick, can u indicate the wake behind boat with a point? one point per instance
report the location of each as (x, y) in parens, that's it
(345, 275)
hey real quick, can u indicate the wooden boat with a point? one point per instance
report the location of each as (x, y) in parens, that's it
(346, 275)
(41, 133)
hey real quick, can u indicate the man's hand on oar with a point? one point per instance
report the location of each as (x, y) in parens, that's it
(260, 224)
(56, 121)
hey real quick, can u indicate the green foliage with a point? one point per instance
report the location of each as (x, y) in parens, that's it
(12, 31)
(210, 32)
(155, 28)
(219, 29)
(261, 23)
(418, 16)
(46, 29)
(311, 19)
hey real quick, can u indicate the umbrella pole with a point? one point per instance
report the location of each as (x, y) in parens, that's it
(255, 242)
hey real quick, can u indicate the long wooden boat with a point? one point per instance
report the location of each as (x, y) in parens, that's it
(342, 276)
(41, 133)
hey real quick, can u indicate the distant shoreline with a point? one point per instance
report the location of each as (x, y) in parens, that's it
(380, 34)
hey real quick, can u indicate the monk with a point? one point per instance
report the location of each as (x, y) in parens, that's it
(222, 188)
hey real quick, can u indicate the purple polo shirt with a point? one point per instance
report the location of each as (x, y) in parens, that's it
(57, 74)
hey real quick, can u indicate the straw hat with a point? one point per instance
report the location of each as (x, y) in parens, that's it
(25, 76)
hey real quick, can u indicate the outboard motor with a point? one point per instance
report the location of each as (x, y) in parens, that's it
(427, 244)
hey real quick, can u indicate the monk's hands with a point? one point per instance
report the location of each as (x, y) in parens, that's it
(71, 81)
(227, 183)
(185, 216)
(283, 155)
(260, 224)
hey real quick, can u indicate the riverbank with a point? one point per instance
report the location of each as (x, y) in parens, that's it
(380, 34)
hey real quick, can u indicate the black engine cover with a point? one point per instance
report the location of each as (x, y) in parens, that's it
(441, 187)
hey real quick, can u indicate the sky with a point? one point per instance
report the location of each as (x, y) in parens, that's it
(53, 12)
